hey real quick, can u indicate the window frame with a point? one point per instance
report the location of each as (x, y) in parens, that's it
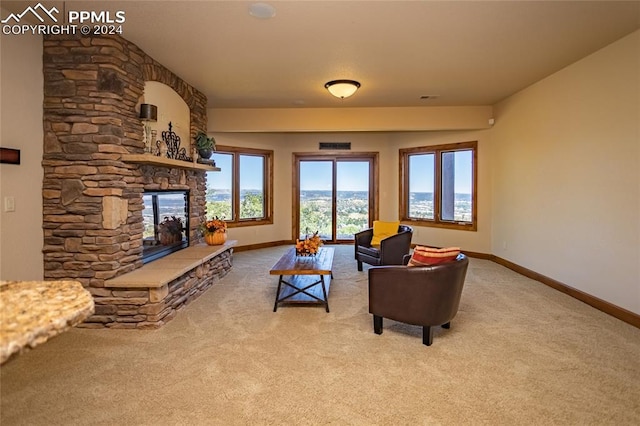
(267, 180)
(438, 150)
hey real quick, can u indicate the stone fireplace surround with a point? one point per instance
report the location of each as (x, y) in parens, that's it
(92, 197)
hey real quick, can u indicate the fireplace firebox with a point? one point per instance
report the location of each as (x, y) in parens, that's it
(166, 223)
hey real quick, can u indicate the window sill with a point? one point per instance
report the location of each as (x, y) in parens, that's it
(445, 225)
(250, 223)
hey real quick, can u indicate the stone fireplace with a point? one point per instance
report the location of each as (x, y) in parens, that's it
(94, 184)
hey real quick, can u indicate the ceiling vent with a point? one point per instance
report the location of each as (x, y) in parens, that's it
(342, 146)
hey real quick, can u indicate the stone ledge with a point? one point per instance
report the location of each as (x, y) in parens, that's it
(162, 271)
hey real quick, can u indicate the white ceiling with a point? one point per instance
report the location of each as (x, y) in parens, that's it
(463, 52)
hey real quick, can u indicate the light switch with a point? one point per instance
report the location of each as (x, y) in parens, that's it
(9, 204)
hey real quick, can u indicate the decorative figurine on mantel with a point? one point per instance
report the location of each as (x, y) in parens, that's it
(169, 146)
(206, 146)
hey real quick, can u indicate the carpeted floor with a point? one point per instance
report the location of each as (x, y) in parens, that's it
(518, 352)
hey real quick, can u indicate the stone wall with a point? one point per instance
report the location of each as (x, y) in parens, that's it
(153, 307)
(92, 200)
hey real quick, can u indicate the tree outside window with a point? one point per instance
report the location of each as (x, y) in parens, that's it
(241, 193)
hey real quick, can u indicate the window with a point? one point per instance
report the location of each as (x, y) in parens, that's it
(334, 194)
(242, 192)
(438, 185)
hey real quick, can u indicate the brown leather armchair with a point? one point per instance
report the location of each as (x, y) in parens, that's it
(419, 295)
(391, 251)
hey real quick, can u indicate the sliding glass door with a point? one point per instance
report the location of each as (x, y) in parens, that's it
(316, 199)
(353, 197)
(334, 195)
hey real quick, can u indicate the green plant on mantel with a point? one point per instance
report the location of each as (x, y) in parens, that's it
(205, 142)
(205, 145)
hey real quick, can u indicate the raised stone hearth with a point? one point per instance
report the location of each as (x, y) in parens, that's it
(152, 295)
(92, 196)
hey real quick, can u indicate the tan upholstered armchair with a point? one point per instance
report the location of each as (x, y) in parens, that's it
(390, 252)
(428, 296)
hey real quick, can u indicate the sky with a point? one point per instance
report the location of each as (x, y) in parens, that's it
(351, 175)
(251, 168)
(421, 176)
(221, 179)
(315, 175)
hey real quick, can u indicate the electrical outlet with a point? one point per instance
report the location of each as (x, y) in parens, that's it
(9, 204)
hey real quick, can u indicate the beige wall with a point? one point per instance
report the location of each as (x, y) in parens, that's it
(21, 236)
(566, 175)
(171, 108)
(348, 119)
(387, 145)
(284, 145)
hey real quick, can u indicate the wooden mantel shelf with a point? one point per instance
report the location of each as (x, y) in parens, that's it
(153, 160)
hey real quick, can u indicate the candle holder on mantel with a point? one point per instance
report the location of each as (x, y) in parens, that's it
(148, 114)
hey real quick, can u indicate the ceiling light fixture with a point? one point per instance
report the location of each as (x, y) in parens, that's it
(262, 10)
(342, 88)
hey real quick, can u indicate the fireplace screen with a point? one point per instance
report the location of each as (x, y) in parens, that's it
(166, 223)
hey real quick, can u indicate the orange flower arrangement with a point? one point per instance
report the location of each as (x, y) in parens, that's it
(215, 225)
(309, 246)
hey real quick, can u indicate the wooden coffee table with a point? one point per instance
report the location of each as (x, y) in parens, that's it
(304, 286)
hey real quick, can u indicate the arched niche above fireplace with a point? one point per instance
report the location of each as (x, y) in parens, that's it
(172, 108)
